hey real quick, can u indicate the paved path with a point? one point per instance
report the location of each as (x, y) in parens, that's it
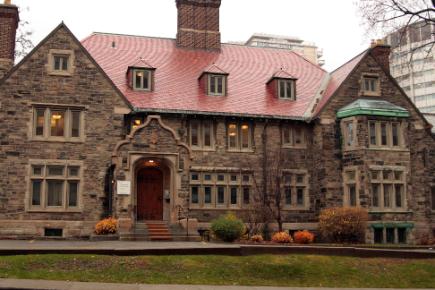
(59, 285)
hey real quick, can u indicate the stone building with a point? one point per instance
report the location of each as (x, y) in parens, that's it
(153, 130)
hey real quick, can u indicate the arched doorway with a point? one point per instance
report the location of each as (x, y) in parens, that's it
(149, 194)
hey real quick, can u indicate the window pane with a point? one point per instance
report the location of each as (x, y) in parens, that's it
(207, 195)
(207, 134)
(64, 60)
(401, 235)
(390, 235)
(398, 189)
(398, 175)
(232, 135)
(282, 89)
(395, 133)
(75, 124)
(207, 177)
(220, 195)
(379, 236)
(298, 135)
(245, 178)
(146, 80)
(245, 136)
(194, 176)
(246, 195)
(194, 134)
(350, 175)
(55, 170)
(300, 178)
(300, 196)
(387, 195)
(372, 133)
(375, 193)
(213, 85)
(384, 140)
(37, 170)
(194, 197)
(387, 174)
(288, 196)
(220, 85)
(349, 134)
(138, 79)
(40, 120)
(73, 171)
(54, 193)
(433, 197)
(234, 195)
(352, 195)
(57, 64)
(375, 175)
(286, 135)
(36, 192)
(57, 122)
(289, 89)
(233, 178)
(221, 177)
(73, 187)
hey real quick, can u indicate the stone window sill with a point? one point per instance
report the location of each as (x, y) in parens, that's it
(60, 210)
(55, 140)
(294, 147)
(388, 149)
(390, 211)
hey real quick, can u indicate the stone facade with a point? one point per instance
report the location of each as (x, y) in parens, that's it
(117, 141)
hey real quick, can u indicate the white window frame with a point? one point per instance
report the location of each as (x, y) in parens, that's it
(44, 178)
(287, 95)
(145, 72)
(369, 91)
(69, 54)
(68, 123)
(347, 182)
(391, 182)
(378, 134)
(291, 128)
(201, 135)
(238, 138)
(294, 185)
(345, 133)
(216, 78)
(227, 184)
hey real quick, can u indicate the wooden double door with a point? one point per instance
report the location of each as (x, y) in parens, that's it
(150, 194)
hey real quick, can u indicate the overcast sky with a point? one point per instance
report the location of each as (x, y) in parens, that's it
(332, 25)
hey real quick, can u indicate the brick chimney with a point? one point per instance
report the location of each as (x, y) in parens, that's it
(8, 29)
(381, 52)
(198, 24)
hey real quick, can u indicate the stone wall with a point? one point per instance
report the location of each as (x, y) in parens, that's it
(31, 84)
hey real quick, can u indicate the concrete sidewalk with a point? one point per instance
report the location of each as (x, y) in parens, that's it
(59, 285)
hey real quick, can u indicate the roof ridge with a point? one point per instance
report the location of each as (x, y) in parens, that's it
(350, 60)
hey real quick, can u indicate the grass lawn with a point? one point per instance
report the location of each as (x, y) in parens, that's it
(271, 270)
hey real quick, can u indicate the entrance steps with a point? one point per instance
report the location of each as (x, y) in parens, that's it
(157, 231)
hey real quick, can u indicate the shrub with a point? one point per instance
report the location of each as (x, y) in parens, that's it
(282, 238)
(303, 237)
(257, 238)
(344, 224)
(228, 228)
(106, 226)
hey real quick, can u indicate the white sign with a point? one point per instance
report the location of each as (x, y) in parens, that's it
(123, 187)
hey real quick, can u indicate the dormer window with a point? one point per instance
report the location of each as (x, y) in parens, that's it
(216, 85)
(283, 85)
(370, 85)
(287, 89)
(142, 79)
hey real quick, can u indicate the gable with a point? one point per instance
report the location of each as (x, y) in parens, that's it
(348, 90)
(32, 72)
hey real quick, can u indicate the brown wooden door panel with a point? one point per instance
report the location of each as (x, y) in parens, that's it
(150, 194)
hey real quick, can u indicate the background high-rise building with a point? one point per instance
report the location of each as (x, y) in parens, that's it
(307, 49)
(412, 63)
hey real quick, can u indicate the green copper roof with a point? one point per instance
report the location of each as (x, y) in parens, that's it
(373, 108)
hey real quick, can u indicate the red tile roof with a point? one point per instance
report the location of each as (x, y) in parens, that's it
(177, 70)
